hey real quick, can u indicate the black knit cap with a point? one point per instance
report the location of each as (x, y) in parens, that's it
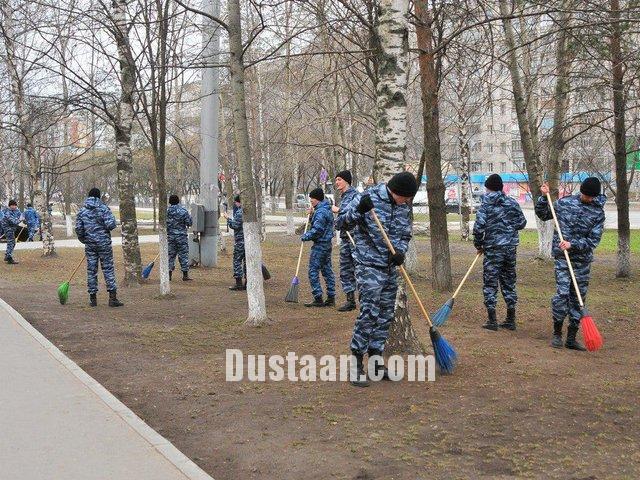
(403, 184)
(494, 182)
(94, 192)
(13, 202)
(345, 175)
(591, 187)
(174, 200)
(237, 199)
(317, 193)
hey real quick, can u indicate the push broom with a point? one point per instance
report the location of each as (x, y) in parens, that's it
(442, 315)
(292, 295)
(445, 355)
(592, 337)
(146, 271)
(63, 289)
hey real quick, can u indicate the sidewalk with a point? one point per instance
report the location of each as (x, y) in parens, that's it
(59, 423)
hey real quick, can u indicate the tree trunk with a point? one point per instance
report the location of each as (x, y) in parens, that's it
(528, 134)
(25, 130)
(441, 259)
(124, 161)
(620, 147)
(391, 137)
(257, 311)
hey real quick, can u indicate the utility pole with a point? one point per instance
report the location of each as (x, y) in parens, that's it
(209, 133)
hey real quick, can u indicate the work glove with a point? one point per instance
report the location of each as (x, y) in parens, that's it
(365, 204)
(396, 259)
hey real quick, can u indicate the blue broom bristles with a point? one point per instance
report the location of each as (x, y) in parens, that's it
(446, 356)
(147, 270)
(442, 315)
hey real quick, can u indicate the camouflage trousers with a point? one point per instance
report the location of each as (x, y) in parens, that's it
(347, 266)
(33, 229)
(10, 235)
(565, 301)
(179, 247)
(239, 267)
(320, 262)
(104, 254)
(377, 288)
(499, 269)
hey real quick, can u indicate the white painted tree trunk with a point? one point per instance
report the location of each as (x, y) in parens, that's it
(69, 225)
(165, 285)
(391, 135)
(253, 254)
(545, 238)
(291, 227)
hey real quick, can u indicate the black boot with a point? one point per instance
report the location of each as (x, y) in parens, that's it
(380, 369)
(317, 302)
(170, 274)
(350, 304)
(492, 322)
(510, 322)
(357, 378)
(113, 299)
(330, 302)
(185, 276)
(571, 342)
(557, 334)
(11, 261)
(238, 285)
(93, 300)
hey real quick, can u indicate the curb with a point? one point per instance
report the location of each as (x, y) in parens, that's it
(157, 441)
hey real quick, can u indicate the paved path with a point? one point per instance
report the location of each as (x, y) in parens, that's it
(56, 422)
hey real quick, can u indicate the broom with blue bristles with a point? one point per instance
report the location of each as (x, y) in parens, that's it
(442, 315)
(292, 294)
(146, 271)
(445, 355)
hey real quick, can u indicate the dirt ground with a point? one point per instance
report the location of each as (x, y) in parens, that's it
(514, 407)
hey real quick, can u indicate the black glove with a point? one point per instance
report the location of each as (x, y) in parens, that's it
(396, 259)
(365, 204)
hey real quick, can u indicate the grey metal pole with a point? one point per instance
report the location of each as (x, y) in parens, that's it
(209, 133)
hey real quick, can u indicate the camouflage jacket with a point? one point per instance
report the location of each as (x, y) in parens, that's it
(321, 230)
(346, 198)
(235, 223)
(178, 220)
(498, 221)
(11, 218)
(371, 249)
(94, 223)
(582, 224)
(31, 217)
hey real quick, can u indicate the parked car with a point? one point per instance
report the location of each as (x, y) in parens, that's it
(452, 205)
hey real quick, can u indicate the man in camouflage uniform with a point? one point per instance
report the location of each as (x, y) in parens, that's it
(178, 221)
(321, 233)
(495, 233)
(347, 265)
(581, 219)
(375, 265)
(10, 220)
(32, 219)
(235, 223)
(93, 228)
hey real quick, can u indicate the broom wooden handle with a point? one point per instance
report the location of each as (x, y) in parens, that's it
(154, 260)
(20, 233)
(77, 267)
(306, 225)
(566, 254)
(464, 279)
(350, 238)
(402, 270)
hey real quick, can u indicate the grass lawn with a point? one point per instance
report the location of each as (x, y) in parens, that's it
(608, 244)
(514, 407)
